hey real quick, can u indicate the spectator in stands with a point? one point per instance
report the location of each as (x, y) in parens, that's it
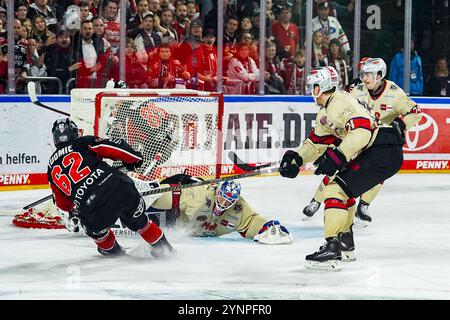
(273, 82)
(27, 24)
(89, 52)
(439, 83)
(181, 22)
(247, 39)
(246, 26)
(279, 5)
(153, 6)
(319, 51)
(242, 67)
(416, 72)
(230, 41)
(136, 75)
(211, 16)
(59, 61)
(191, 43)
(164, 71)
(21, 12)
(36, 66)
(3, 65)
(99, 30)
(42, 8)
(294, 73)
(41, 33)
(335, 60)
(204, 62)
(3, 32)
(112, 25)
(286, 34)
(165, 24)
(270, 18)
(135, 24)
(148, 40)
(191, 7)
(331, 28)
(57, 8)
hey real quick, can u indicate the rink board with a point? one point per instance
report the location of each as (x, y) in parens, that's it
(258, 128)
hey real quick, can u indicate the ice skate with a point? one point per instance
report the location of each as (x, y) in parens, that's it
(162, 248)
(328, 256)
(347, 246)
(362, 217)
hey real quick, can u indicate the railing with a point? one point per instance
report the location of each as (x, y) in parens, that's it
(47, 79)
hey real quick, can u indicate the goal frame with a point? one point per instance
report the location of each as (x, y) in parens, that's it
(146, 94)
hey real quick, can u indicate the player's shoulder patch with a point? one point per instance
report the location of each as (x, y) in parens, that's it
(393, 86)
(360, 87)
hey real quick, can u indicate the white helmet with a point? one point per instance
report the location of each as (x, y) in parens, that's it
(326, 78)
(374, 65)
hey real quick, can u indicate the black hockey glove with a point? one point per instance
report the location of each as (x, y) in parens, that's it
(135, 165)
(330, 161)
(289, 169)
(400, 127)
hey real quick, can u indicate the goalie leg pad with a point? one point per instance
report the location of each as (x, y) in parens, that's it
(272, 232)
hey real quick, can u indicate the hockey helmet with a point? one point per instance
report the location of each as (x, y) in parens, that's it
(64, 130)
(326, 78)
(361, 62)
(375, 66)
(227, 193)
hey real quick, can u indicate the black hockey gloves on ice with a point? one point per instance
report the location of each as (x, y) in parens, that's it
(330, 161)
(289, 169)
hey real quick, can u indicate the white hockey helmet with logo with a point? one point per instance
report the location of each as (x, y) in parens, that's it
(326, 78)
(375, 66)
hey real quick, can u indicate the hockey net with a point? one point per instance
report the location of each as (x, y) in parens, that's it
(177, 131)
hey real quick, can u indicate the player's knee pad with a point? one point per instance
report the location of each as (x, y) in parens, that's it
(335, 203)
(135, 219)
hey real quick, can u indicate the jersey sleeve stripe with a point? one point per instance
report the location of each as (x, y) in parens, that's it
(115, 153)
(356, 123)
(327, 140)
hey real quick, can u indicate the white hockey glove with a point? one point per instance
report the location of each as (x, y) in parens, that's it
(143, 186)
(272, 232)
(70, 220)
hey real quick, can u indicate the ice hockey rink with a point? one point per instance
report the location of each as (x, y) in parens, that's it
(403, 254)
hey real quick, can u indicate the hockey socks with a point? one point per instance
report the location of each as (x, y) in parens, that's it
(108, 246)
(151, 233)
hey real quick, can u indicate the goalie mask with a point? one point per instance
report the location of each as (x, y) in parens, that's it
(227, 193)
(64, 130)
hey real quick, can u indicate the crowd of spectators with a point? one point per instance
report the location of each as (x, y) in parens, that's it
(173, 44)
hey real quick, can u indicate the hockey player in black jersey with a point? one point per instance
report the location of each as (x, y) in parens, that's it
(84, 184)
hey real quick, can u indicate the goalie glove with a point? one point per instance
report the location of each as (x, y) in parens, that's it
(272, 232)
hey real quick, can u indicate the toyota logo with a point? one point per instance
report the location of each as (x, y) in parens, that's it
(423, 135)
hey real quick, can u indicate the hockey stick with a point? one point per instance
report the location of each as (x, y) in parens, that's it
(31, 86)
(205, 182)
(246, 166)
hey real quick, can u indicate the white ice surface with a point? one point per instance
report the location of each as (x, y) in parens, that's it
(403, 254)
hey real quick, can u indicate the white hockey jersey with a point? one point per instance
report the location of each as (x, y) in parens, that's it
(333, 29)
(245, 71)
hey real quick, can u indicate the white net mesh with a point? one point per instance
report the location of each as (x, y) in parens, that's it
(175, 131)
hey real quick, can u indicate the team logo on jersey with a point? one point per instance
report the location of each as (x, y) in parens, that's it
(386, 107)
(237, 208)
(422, 135)
(208, 202)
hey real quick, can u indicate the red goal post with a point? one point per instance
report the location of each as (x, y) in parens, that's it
(176, 130)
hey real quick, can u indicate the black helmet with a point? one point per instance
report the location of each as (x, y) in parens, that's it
(64, 130)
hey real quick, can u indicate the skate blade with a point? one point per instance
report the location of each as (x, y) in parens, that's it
(358, 223)
(348, 256)
(330, 265)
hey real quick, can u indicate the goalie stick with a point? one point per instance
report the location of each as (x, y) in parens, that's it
(205, 182)
(31, 86)
(246, 166)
